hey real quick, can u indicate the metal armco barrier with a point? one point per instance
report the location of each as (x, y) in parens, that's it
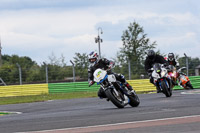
(140, 85)
(23, 90)
(71, 87)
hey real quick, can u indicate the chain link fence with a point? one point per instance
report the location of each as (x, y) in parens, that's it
(18, 75)
(15, 75)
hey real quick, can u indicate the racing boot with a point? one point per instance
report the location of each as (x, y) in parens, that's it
(101, 94)
(129, 87)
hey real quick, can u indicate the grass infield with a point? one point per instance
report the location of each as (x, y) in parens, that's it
(45, 97)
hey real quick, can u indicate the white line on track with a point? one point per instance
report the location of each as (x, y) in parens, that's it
(191, 92)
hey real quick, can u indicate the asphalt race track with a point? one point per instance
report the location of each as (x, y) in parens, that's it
(156, 113)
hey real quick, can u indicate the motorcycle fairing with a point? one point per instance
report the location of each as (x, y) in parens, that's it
(102, 79)
(99, 75)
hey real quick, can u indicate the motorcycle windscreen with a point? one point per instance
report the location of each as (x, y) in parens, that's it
(157, 67)
(99, 74)
(171, 68)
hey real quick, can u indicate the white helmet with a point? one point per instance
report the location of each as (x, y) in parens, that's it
(171, 56)
(93, 57)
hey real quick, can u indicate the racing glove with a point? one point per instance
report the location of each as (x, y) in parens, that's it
(91, 83)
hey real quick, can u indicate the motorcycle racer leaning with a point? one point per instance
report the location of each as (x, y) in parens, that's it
(105, 64)
(151, 59)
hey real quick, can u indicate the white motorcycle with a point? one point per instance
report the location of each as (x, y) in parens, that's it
(118, 94)
(161, 79)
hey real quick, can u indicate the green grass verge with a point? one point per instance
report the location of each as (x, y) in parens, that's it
(45, 97)
(3, 113)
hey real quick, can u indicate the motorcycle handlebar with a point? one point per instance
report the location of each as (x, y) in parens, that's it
(180, 69)
(150, 70)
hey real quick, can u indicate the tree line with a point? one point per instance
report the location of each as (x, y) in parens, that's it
(131, 56)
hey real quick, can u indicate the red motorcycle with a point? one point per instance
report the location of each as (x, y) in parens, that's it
(173, 74)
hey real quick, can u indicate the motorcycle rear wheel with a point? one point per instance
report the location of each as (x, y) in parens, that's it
(134, 100)
(189, 85)
(111, 96)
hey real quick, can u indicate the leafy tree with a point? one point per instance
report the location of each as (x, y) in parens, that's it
(9, 73)
(34, 74)
(24, 61)
(135, 46)
(135, 43)
(81, 64)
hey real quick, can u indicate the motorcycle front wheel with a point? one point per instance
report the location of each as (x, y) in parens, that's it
(165, 89)
(116, 99)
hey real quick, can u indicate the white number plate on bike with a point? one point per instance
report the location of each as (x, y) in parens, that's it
(111, 78)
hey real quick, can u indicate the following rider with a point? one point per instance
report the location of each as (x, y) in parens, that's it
(172, 61)
(151, 59)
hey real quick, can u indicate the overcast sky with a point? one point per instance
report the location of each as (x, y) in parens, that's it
(38, 28)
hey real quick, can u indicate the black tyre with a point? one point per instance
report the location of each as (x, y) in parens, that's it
(189, 85)
(134, 100)
(117, 101)
(165, 89)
